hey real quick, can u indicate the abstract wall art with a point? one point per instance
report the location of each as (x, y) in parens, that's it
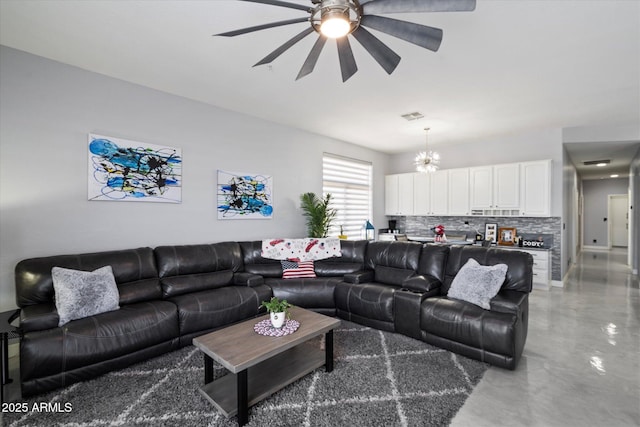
(122, 170)
(244, 196)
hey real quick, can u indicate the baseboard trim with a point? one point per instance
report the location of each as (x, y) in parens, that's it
(541, 286)
(557, 283)
(595, 248)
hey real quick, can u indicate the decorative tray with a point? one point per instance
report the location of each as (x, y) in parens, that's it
(266, 328)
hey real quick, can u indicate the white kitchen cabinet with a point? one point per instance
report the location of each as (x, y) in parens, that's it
(512, 189)
(535, 187)
(458, 192)
(495, 190)
(506, 186)
(439, 192)
(481, 187)
(421, 194)
(399, 194)
(541, 268)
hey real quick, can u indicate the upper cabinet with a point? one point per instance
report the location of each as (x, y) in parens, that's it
(439, 192)
(399, 194)
(513, 189)
(535, 186)
(495, 190)
(422, 194)
(458, 192)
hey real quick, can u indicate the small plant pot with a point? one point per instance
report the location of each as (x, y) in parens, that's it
(277, 319)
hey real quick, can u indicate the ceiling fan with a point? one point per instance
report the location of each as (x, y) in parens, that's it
(338, 19)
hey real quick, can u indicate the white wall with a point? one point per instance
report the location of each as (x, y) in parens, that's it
(570, 232)
(596, 203)
(634, 220)
(46, 111)
(535, 145)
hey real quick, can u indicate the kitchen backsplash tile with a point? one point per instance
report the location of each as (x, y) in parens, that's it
(550, 227)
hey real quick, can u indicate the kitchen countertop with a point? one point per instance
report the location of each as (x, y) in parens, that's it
(431, 239)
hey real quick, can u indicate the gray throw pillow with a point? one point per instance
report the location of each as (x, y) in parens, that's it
(477, 283)
(81, 294)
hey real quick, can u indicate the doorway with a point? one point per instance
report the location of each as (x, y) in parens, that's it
(618, 220)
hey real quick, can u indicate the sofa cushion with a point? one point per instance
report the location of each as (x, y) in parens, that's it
(391, 275)
(368, 300)
(477, 283)
(469, 324)
(297, 269)
(520, 265)
(307, 293)
(34, 284)
(97, 338)
(214, 308)
(81, 294)
(196, 259)
(403, 255)
(178, 285)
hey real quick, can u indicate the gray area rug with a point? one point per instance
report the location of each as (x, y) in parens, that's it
(379, 379)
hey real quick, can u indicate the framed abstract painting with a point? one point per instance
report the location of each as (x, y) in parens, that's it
(244, 196)
(123, 170)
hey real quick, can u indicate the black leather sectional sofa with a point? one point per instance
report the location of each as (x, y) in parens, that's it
(170, 294)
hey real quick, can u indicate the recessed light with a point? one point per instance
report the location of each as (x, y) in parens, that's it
(601, 165)
(615, 175)
(597, 162)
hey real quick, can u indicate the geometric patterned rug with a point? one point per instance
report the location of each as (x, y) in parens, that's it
(379, 379)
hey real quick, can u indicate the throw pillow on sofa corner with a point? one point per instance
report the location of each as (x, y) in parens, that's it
(80, 294)
(295, 269)
(478, 284)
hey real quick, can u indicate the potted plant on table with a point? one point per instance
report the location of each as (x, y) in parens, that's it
(278, 310)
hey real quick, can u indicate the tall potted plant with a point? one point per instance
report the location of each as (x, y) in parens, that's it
(319, 214)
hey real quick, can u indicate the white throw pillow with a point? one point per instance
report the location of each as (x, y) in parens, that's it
(477, 283)
(81, 294)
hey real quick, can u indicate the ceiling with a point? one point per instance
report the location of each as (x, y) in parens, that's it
(507, 67)
(618, 153)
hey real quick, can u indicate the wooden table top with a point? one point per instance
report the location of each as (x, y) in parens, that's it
(238, 346)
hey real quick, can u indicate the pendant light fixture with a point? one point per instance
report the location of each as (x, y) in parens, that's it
(427, 161)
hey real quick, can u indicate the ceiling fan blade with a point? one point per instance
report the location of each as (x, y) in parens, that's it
(347, 61)
(283, 4)
(409, 6)
(262, 27)
(421, 35)
(312, 59)
(387, 58)
(279, 51)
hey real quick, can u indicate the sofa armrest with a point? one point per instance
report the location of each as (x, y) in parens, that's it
(422, 283)
(508, 301)
(39, 317)
(359, 277)
(247, 279)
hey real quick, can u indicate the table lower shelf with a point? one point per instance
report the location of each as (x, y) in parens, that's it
(265, 378)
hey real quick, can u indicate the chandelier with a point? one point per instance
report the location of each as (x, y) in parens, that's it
(427, 161)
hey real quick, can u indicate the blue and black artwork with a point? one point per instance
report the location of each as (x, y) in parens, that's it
(245, 195)
(135, 172)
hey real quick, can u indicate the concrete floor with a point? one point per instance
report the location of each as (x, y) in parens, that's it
(581, 361)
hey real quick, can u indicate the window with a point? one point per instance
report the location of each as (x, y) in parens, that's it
(349, 182)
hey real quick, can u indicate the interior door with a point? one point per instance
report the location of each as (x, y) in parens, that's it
(619, 217)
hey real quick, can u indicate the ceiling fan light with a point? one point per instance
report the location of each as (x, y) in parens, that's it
(335, 24)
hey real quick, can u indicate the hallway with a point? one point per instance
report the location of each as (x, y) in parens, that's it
(581, 362)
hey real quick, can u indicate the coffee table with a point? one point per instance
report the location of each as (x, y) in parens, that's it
(261, 365)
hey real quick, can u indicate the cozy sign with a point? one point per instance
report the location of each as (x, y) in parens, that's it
(527, 243)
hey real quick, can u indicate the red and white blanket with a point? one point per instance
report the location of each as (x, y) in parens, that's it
(308, 249)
